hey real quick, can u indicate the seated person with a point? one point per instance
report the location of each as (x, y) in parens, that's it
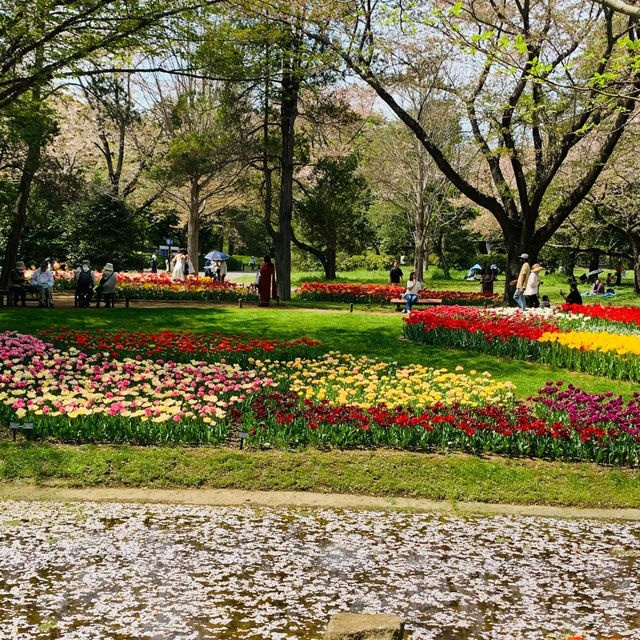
(18, 285)
(85, 284)
(411, 294)
(574, 296)
(598, 288)
(546, 303)
(42, 282)
(106, 288)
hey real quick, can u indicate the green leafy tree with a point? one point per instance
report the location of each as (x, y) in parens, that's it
(332, 213)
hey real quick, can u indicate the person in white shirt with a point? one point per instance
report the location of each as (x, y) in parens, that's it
(223, 270)
(42, 280)
(532, 290)
(411, 294)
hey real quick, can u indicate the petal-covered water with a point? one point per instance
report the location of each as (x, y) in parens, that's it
(116, 571)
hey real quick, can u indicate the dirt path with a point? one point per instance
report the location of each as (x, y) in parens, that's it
(236, 497)
(65, 300)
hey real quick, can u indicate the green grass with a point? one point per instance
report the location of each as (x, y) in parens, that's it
(385, 473)
(361, 333)
(552, 286)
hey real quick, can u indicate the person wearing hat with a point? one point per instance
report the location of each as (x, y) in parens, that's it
(18, 285)
(42, 281)
(106, 288)
(521, 282)
(85, 284)
(531, 293)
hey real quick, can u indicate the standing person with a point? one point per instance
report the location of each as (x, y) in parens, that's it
(18, 285)
(178, 267)
(216, 270)
(531, 293)
(618, 274)
(154, 264)
(487, 282)
(42, 281)
(267, 283)
(252, 263)
(85, 284)
(521, 282)
(223, 270)
(395, 275)
(411, 294)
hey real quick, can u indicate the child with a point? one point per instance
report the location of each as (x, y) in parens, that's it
(545, 304)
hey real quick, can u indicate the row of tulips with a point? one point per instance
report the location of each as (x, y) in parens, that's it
(538, 338)
(178, 346)
(377, 293)
(557, 424)
(160, 286)
(626, 315)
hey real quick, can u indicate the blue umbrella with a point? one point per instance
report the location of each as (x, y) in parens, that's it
(216, 255)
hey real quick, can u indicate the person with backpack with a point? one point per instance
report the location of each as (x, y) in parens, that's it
(85, 284)
(106, 289)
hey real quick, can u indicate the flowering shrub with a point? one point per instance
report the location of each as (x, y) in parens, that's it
(530, 337)
(79, 397)
(179, 346)
(369, 293)
(160, 286)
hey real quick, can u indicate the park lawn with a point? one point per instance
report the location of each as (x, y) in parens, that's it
(360, 333)
(452, 477)
(552, 286)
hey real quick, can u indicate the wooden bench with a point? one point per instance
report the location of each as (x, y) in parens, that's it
(424, 302)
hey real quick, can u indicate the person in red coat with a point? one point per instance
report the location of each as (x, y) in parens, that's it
(267, 283)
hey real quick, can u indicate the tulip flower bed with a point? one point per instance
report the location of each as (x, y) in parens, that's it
(178, 346)
(626, 315)
(372, 293)
(336, 400)
(344, 379)
(549, 340)
(76, 397)
(564, 424)
(160, 286)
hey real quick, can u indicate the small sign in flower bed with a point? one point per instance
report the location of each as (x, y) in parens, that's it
(372, 293)
(179, 346)
(546, 339)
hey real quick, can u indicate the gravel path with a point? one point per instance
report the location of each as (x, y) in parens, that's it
(116, 571)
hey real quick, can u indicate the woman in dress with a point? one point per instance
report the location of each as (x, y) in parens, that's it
(178, 267)
(267, 283)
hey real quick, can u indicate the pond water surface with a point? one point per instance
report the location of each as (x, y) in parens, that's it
(118, 571)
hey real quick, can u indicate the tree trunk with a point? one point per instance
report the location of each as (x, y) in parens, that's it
(635, 247)
(594, 260)
(288, 115)
(418, 261)
(329, 264)
(442, 259)
(31, 165)
(193, 230)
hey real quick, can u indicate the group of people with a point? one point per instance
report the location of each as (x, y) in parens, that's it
(87, 285)
(41, 284)
(182, 266)
(412, 291)
(527, 293)
(216, 269)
